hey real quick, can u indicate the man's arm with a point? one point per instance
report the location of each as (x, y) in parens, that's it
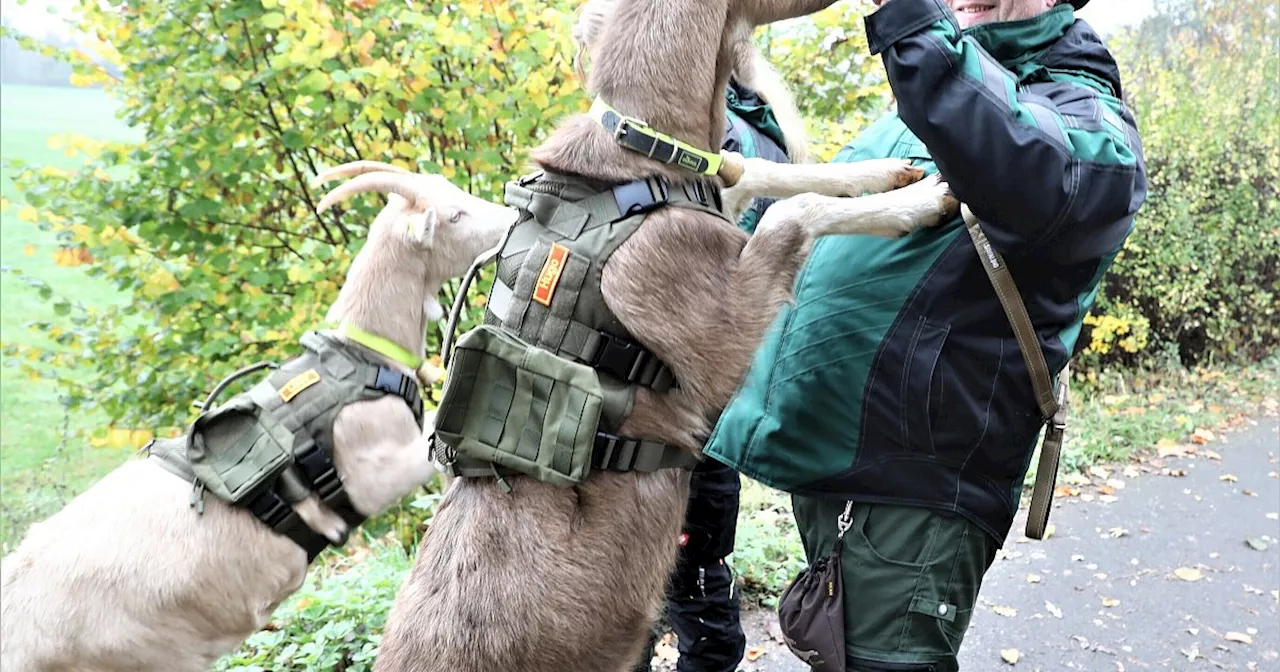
(1026, 167)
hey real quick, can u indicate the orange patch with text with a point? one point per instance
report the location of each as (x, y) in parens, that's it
(549, 276)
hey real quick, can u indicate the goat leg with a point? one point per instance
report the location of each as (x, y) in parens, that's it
(891, 214)
(762, 178)
(701, 297)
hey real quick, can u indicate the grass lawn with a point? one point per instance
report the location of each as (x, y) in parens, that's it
(37, 474)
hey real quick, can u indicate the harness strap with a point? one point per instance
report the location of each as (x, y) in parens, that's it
(610, 453)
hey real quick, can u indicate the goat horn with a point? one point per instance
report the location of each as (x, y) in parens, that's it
(383, 182)
(353, 168)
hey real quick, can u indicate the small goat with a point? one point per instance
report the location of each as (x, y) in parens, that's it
(128, 577)
(550, 579)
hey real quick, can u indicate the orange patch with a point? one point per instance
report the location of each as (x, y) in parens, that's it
(549, 276)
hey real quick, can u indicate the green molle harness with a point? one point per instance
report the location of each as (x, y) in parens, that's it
(272, 445)
(542, 387)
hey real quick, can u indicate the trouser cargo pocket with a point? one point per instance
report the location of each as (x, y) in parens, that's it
(911, 578)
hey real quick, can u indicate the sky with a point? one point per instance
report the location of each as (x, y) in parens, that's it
(32, 16)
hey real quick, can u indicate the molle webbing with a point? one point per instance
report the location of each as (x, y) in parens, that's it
(542, 387)
(589, 221)
(272, 445)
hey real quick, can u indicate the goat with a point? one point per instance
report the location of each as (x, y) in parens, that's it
(128, 577)
(544, 578)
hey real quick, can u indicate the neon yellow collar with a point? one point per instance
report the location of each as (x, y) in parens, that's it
(381, 345)
(637, 136)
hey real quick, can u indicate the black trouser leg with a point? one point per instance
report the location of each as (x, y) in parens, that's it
(702, 603)
(702, 600)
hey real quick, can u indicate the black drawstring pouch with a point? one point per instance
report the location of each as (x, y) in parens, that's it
(811, 611)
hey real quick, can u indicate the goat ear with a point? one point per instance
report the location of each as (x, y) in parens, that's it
(422, 226)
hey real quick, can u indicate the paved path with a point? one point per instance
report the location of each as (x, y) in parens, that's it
(1177, 572)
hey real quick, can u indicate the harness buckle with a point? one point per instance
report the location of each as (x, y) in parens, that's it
(270, 508)
(319, 468)
(621, 358)
(615, 453)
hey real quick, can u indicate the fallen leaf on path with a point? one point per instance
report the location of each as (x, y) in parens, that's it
(1230, 478)
(1033, 578)
(1007, 612)
(1108, 499)
(1187, 573)
(1053, 609)
(1010, 656)
(1110, 602)
(1106, 490)
(1099, 471)
(1193, 631)
(1177, 450)
(1248, 493)
(755, 652)
(1049, 530)
(1117, 532)
(1238, 637)
(1273, 516)
(1076, 478)
(1256, 544)
(1276, 594)
(1212, 455)
(1202, 436)
(1077, 558)
(1130, 472)
(1115, 483)
(1066, 491)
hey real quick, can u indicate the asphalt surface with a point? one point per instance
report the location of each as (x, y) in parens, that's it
(1170, 564)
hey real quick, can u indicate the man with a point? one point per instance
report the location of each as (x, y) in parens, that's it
(702, 600)
(895, 381)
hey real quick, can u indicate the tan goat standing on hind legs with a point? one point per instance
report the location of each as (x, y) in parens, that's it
(128, 577)
(539, 577)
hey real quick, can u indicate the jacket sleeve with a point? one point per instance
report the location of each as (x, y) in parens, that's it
(1027, 166)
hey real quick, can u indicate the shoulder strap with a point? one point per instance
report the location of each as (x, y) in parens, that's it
(1053, 407)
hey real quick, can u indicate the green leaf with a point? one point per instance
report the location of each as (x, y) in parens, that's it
(272, 20)
(229, 82)
(315, 82)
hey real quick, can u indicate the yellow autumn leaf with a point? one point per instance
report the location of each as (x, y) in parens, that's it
(1007, 612)
(29, 250)
(29, 214)
(1187, 573)
(1010, 656)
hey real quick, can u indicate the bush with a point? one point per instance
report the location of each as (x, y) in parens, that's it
(1198, 278)
(334, 622)
(209, 223)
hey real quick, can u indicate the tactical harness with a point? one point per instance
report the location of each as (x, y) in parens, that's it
(272, 445)
(543, 385)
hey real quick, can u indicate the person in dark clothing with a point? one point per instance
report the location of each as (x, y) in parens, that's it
(891, 398)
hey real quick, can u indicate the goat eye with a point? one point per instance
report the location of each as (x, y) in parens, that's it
(456, 216)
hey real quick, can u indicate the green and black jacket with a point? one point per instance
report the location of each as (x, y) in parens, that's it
(895, 377)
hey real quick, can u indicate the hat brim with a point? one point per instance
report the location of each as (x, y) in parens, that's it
(1079, 3)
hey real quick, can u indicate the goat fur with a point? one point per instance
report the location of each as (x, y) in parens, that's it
(568, 579)
(128, 577)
